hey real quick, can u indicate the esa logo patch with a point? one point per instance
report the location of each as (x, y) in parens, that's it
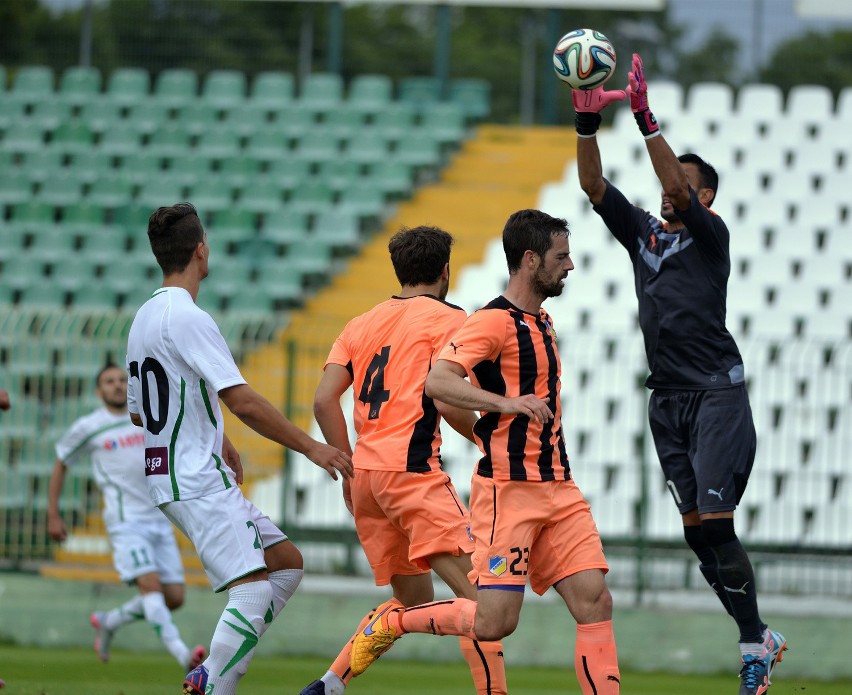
(497, 565)
(156, 460)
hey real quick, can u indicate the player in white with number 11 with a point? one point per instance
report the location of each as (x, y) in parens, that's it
(179, 367)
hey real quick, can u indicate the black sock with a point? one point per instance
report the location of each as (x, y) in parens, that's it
(736, 577)
(707, 564)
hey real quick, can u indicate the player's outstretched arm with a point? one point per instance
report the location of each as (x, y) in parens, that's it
(588, 104)
(666, 165)
(55, 526)
(446, 382)
(259, 414)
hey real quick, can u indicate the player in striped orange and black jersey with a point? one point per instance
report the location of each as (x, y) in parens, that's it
(407, 514)
(528, 519)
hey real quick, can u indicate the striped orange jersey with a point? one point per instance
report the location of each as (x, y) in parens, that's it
(508, 351)
(389, 351)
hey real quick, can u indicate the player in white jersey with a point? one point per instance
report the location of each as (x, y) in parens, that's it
(179, 367)
(144, 549)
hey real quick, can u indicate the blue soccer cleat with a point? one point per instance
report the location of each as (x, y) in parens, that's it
(756, 670)
(195, 682)
(315, 688)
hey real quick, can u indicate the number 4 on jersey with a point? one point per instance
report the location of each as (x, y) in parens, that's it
(373, 389)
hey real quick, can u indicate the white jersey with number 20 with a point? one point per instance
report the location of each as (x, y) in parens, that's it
(177, 362)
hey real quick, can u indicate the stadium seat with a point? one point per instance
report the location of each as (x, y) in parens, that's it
(79, 85)
(363, 198)
(72, 137)
(369, 146)
(224, 89)
(100, 115)
(239, 169)
(396, 121)
(38, 165)
(250, 299)
(218, 142)
(176, 87)
(759, 102)
(263, 197)
(272, 89)
(23, 136)
(147, 116)
(233, 223)
(311, 256)
(164, 190)
(286, 227)
(60, 190)
(25, 420)
(342, 124)
(211, 194)
(110, 191)
(33, 83)
(128, 86)
(311, 196)
(444, 122)
(120, 141)
(43, 295)
(83, 219)
(246, 120)
(197, 117)
(668, 97)
(94, 296)
(707, 101)
(10, 112)
(317, 146)
(288, 172)
(338, 228)
(473, 96)
(49, 115)
(268, 146)
(418, 149)
(189, 169)
(169, 140)
(813, 103)
(394, 178)
(321, 92)
(282, 282)
(340, 174)
(369, 94)
(293, 120)
(419, 91)
(14, 189)
(140, 166)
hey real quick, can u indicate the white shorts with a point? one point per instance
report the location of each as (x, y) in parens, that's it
(229, 533)
(143, 547)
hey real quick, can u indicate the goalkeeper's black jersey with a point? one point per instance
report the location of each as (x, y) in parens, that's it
(681, 281)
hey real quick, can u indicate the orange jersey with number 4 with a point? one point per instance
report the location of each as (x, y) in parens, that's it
(388, 352)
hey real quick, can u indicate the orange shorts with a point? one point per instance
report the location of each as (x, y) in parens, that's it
(403, 518)
(543, 531)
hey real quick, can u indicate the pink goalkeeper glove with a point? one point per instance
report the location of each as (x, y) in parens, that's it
(588, 103)
(637, 89)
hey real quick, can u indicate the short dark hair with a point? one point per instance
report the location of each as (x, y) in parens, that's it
(109, 365)
(709, 176)
(419, 254)
(174, 232)
(531, 230)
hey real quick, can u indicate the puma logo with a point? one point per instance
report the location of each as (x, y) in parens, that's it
(711, 491)
(456, 347)
(741, 590)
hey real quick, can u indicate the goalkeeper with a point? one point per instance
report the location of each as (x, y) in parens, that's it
(699, 410)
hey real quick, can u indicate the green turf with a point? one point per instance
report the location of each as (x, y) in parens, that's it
(30, 671)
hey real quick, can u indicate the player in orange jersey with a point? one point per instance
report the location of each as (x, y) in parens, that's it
(386, 354)
(528, 519)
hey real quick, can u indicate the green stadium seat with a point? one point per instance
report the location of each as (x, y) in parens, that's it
(83, 219)
(396, 121)
(311, 197)
(29, 215)
(473, 96)
(419, 90)
(14, 189)
(10, 112)
(294, 120)
(197, 118)
(79, 85)
(120, 276)
(90, 165)
(266, 146)
(272, 89)
(246, 120)
(51, 244)
(191, 168)
(340, 174)
(105, 246)
(343, 124)
(445, 122)
(25, 271)
(285, 227)
(72, 137)
(239, 170)
(338, 228)
(169, 141)
(368, 147)
(26, 419)
(317, 146)
(250, 299)
(140, 166)
(393, 177)
(101, 115)
(218, 142)
(75, 271)
(38, 165)
(233, 223)
(253, 250)
(282, 281)
(60, 190)
(120, 141)
(23, 136)
(33, 83)
(313, 257)
(175, 87)
(288, 172)
(369, 94)
(364, 199)
(161, 191)
(321, 92)
(263, 197)
(7, 296)
(132, 218)
(211, 194)
(418, 149)
(224, 89)
(49, 115)
(110, 191)
(94, 296)
(2, 79)
(147, 116)
(44, 294)
(128, 86)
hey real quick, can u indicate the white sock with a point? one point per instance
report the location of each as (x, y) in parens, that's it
(124, 614)
(235, 638)
(160, 618)
(284, 585)
(333, 684)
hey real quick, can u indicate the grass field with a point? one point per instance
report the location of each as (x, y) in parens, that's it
(29, 671)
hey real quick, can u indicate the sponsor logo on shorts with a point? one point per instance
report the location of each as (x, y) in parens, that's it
(156, 460)
(497, 565)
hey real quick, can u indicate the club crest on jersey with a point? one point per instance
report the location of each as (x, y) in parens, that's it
(550, 330)
(497, 565)
(469, 534)
(156, 460)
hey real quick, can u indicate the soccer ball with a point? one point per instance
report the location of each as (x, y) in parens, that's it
(584, 59)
